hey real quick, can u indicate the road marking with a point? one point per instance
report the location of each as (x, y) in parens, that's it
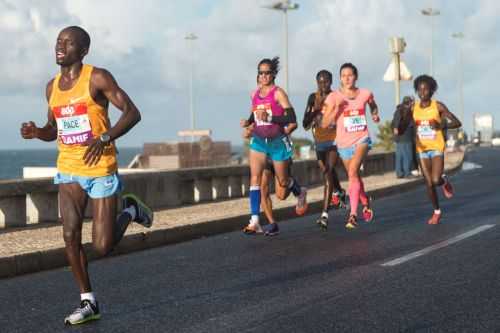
(437, 246)
(466, 166)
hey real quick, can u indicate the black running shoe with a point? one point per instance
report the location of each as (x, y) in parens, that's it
(86, 312)
(322, 222)
(144, 215)
(271, 229)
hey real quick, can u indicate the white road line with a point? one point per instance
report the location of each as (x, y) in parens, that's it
(437, 246)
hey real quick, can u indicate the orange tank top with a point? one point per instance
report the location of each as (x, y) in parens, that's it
(427, 137)
(79, 118)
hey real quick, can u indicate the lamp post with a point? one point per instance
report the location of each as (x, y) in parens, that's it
(431, 12)
(190, 38)
(396, 47)
(460, 36)
(284, 6)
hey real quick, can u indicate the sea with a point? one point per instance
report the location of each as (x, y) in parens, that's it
(13, 161)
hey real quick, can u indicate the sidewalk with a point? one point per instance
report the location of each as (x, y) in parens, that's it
(26, 250)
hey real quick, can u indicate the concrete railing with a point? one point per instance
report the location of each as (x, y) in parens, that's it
(27, 202)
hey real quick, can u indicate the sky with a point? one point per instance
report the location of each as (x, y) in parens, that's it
(142, 44)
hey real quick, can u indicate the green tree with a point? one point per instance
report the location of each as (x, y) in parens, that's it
(385, 136)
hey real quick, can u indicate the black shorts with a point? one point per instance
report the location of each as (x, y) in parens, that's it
(321, 154)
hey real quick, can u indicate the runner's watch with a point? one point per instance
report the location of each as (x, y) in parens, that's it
(105, 138)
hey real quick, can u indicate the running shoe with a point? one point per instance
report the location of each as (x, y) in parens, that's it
(253, 228)
(323, 222)
(301, 207)
(434, 219)
(271, 229)
(86, 312)
(352, 222)
(339, 200)
(447, 188)
(367, 214)
(144, 215)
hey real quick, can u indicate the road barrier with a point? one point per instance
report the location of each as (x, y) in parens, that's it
(34, 202)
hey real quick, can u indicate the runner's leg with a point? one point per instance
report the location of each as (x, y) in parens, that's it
(266, 202)
(352, 166)
(426, 167)
(73, 201)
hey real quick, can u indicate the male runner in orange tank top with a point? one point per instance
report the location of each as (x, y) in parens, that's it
(78, 98)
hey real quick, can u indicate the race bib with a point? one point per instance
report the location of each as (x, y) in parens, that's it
(267, 108)
(425, 131)
(73, 124)
(354, 121)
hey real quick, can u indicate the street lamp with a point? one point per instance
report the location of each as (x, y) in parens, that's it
(284, 6)
(460, 36)
(190, 38)
(431, 12)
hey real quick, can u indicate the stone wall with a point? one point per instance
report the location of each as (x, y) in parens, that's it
(34, 201)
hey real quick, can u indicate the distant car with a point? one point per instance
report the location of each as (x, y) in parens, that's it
(495, 142)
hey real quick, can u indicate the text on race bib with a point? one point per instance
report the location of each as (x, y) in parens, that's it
(267, 108)
(354, 121)
(425, 131)
(73, 124)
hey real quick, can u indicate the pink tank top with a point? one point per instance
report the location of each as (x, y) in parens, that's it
(266, 129)
(352, 125)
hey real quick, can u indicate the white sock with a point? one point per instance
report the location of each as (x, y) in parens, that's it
(437, 211)
(254, 219)
(131, 210)
(336, 193)
(88, 296)
(325, 214)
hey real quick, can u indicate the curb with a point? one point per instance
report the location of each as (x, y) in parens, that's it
(56, 258)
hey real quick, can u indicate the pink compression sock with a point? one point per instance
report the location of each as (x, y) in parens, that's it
(354, 189)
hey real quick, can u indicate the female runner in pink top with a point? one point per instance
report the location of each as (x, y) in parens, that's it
(347, 109)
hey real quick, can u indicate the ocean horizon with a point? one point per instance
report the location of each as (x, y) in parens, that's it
(12, 161)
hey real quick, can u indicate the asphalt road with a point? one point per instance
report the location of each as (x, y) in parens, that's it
(304, 280)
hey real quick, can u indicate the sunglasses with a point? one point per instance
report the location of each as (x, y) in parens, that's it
(265, 72)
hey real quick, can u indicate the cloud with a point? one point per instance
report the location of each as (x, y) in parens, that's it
(144, 47)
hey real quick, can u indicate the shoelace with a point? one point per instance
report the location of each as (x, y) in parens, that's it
(80, 310)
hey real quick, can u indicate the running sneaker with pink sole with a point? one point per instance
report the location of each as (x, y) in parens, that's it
(447, 187)
(367, 214)
(435, 219)
(352, 222)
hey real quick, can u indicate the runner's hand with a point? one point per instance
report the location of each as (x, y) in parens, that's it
(94, 151)
(29, 130)
(375, 118)
(434, 124)
(243, 123)
(247, 131)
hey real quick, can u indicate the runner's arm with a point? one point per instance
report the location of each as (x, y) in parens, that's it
(449, 120)
(310, 113)
(46, 133)
(288, 117)
(374, 110)
(290, 128)
(103, 82)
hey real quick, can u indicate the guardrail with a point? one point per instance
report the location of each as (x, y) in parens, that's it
(30, 202)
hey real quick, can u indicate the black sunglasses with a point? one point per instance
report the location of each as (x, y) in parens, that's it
(265, 72)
